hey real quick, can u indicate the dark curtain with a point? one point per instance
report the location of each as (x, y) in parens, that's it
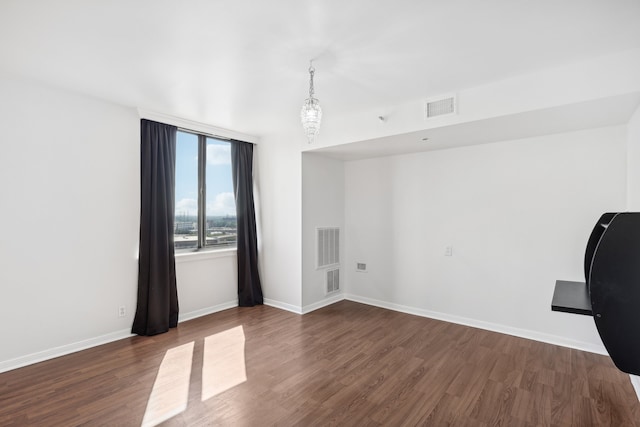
(249, 288)
(157, 309)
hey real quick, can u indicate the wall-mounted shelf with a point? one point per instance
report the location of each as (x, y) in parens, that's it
(571, 297)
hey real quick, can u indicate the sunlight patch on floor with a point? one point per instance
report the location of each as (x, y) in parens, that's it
(170, 392)
(223, 364)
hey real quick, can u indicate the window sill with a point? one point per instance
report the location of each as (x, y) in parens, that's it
(193, 255)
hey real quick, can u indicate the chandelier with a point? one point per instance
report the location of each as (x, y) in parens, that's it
(311, 113)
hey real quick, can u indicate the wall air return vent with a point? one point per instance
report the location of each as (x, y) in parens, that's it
(328, 246)
(440, 106)
(333, 280)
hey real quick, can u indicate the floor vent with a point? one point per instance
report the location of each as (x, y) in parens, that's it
(333, 280)
(440, 106)
(328, 240)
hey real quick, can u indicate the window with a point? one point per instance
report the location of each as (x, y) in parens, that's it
(205, 215)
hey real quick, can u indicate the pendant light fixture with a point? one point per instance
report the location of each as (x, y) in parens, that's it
(311, 114)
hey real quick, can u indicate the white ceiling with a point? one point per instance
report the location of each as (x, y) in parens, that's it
(242, 64)
(615, 110)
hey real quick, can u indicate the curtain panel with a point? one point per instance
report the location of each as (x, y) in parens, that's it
(157, 307)
(249, 286)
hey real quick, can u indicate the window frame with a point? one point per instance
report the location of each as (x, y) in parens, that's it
(201, 245)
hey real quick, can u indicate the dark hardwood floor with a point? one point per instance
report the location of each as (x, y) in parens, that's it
(346, 364)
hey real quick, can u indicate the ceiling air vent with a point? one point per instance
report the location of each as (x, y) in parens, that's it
(440, 106)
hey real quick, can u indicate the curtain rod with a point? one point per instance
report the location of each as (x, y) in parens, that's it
(195, 132)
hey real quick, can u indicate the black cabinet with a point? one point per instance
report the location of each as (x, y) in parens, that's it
(611, 292)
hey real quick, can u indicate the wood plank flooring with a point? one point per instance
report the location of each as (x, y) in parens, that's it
(346, 364)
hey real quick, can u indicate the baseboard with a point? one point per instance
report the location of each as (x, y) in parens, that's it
(283, 305)
(522, 333)
(52, 353)
(325, 302)
(206, 311)
(307, 308)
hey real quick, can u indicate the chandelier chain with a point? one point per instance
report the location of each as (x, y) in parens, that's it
(312, 71)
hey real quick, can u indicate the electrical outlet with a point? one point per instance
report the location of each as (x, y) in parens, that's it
(361, 267)
(448, 251)
(122, 311)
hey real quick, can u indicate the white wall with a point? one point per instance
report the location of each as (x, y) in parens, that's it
(322, 206)
(278, 183)
(633, 162)
(517, 214)
(70, 185)
(69, 179)
(207, 282)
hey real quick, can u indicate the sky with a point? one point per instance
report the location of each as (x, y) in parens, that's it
(220, 199)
